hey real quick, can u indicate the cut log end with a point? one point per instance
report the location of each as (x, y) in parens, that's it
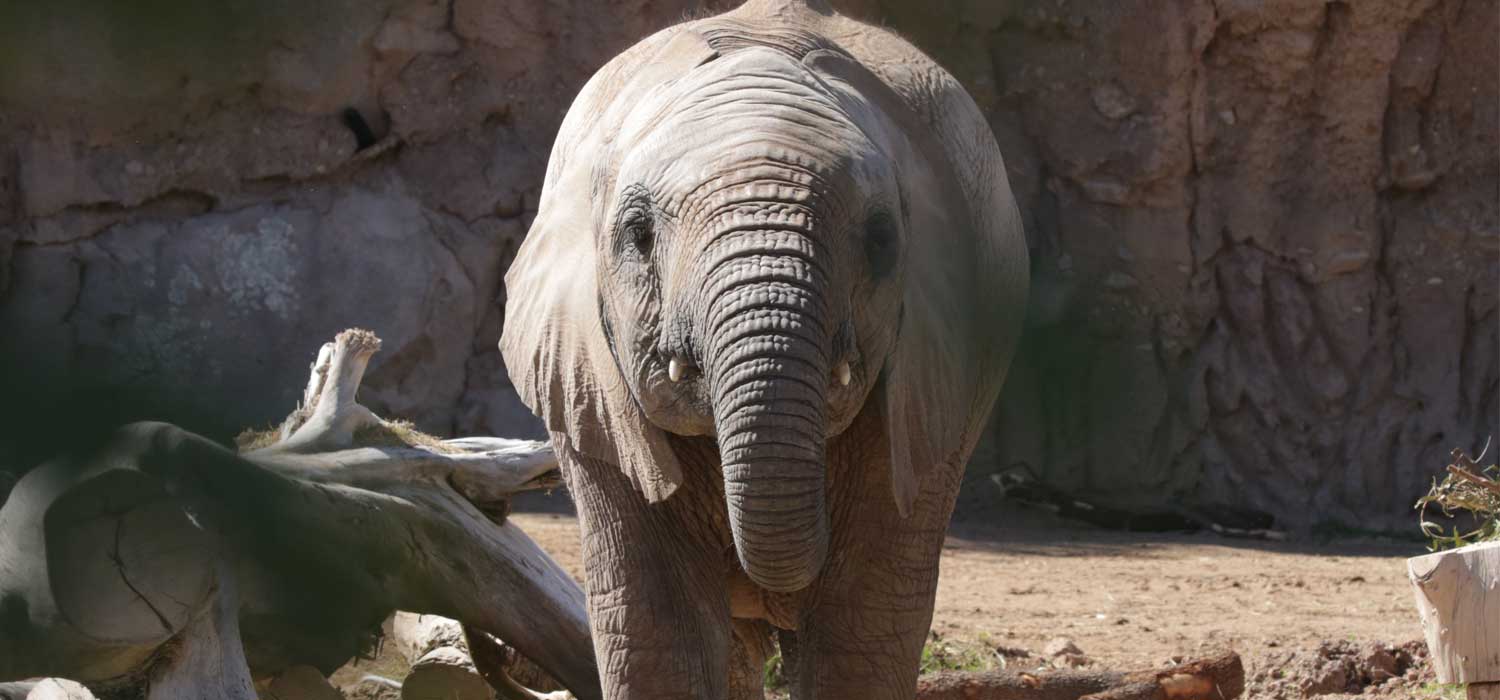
(358, 340)
(1458, 596)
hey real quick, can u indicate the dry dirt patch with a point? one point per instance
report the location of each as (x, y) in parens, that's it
(1134, 601)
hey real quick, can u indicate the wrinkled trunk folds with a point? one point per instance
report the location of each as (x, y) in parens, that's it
(766, 359)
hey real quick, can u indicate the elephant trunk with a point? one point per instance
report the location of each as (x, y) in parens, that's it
(768, 368)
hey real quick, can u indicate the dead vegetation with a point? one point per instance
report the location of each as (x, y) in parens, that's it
(1467, 491)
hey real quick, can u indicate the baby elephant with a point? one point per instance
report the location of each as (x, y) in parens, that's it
(769, 298)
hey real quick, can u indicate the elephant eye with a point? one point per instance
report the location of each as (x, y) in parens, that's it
(639, 234)
(636, 230)
(880, 243)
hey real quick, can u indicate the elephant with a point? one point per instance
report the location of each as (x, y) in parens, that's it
(773, 284)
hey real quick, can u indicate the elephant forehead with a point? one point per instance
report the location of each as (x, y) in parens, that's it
(752, 105)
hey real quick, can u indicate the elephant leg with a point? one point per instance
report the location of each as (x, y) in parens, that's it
(654, 575)
(862, 636)
(868, 643)
(751, 646)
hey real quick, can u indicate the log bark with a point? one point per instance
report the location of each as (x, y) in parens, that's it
(513, 676)
(1458, 598)
(1220, 677)
(445, 663)
(143, 559)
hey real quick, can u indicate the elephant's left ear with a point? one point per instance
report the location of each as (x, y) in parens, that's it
(963, 267)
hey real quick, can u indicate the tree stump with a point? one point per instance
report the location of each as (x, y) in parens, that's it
(1457, 597)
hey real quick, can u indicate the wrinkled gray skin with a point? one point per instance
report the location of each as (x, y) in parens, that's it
(811, 221)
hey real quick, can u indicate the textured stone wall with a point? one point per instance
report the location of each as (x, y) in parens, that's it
(1264, 234)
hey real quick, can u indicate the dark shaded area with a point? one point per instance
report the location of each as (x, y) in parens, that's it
(364, 137)
(41, 419)
(1265, 239)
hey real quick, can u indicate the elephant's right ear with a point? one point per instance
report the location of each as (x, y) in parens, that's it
(554, 343)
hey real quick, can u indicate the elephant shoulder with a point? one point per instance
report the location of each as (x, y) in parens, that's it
(942, 103)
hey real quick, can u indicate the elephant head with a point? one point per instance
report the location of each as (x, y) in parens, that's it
(750, 238)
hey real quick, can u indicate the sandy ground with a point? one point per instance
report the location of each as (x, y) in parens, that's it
(1308, 617)
(1131, 600)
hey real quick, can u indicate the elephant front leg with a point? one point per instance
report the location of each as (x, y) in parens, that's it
(657, 609)
(862, 635)
(751, 645)
(866, 645)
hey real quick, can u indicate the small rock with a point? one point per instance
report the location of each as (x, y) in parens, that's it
(1071, 660)
(1227, 116)
(1331, 679)
(1113, 102)
(1059, 646)
(1120, 280)
(373, 688)
(1378, 663)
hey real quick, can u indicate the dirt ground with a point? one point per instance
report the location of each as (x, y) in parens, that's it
(1311, 618)
(1306, 616)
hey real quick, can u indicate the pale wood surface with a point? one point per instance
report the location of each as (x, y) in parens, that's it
(1460, 609)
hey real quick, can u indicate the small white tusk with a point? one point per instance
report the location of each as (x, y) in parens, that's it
(843, 374)
(674, 370)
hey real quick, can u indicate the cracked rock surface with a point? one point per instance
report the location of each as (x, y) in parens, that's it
(1264, 235)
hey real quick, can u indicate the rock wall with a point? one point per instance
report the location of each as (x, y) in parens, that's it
(1264, 234)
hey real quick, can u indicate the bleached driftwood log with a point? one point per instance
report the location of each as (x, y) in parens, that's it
(156, 561)
(444, 664)
(1218, 678)
(441, 666)
(46, 689)
(1458, 597)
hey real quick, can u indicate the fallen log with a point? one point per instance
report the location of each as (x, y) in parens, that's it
(45, 689)
(441, 665)
(1482, 691)
(156, 562)
(1221, 677)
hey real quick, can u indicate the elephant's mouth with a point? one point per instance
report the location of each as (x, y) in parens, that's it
(674, 391)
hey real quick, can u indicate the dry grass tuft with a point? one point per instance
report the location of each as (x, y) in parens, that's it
(399, 433)
(251, 439)
(1467, 488)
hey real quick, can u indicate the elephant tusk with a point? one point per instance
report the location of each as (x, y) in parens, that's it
(674, 370)
(842, 373)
